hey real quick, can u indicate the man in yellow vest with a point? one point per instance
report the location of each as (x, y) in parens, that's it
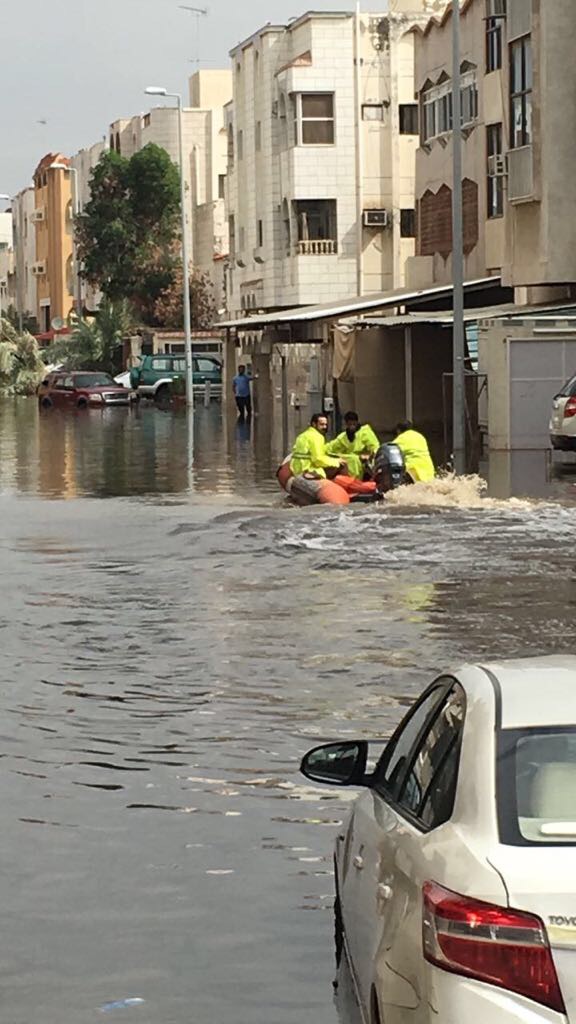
(414, 448)
(356, 444)
(309, 451)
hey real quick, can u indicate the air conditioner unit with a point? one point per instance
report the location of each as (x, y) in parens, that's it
(38, 215)
(375, 218)
(497, 166)
(38, 269)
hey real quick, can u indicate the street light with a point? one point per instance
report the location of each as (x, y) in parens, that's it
(76, 210)
(156, 90)
(458, 336)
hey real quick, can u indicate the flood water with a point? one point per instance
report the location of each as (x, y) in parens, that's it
(172, 643)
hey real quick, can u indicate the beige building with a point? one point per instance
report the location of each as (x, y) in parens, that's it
(518, 156)
(23, 206)
(204, 142)
(322, 133)
(53, 223)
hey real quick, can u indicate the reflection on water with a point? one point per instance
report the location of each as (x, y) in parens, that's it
(165, 665)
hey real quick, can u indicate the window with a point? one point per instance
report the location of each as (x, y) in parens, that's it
(232, 234)
(429, 789)
(397, 754)
(495, 176)
(408, 223)
(258, 136)
(314, 114)
(521, 93)
(230, 145)
(429, 130)
(316, 225)
(259, 233)
(145, 122)
(408, 118)
(468, 99)
(437, 107)
(372, 112)
(161, 364)
(221, 186)
(537, 786)
(242, 239)
(495, 18)
(205, 365)
(240, 145)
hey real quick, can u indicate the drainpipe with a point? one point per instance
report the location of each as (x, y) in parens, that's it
(359, 153)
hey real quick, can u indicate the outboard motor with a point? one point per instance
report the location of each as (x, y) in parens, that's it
(389, 468)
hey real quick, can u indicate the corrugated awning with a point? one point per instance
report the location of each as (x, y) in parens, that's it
(360, 304)
(445, 318)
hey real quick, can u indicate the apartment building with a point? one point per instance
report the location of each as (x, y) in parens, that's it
(518, 154)
(83, 164)
(24, 235)
(53, 223)
(205, 159)
(322, 133)
(7, 276)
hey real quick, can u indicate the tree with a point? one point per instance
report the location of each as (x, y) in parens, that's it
(169, 306)
(94, 344)
(127, 232)
(21, 368)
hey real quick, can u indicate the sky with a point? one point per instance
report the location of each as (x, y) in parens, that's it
(78, 65)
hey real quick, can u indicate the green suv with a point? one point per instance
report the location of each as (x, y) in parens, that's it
(153, 376)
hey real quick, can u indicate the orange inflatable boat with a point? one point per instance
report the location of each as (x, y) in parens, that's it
(305, 490)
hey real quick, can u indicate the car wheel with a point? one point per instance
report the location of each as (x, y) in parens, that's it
(46, 403)
(338, 931)
(82, 403)
(163, 395)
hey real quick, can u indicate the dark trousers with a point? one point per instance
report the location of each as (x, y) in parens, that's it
(244, 407)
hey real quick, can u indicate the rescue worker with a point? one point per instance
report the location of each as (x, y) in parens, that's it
(414, 448)
(356, 444)
(309, 451)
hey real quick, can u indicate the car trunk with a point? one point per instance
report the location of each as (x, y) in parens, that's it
(541, 881)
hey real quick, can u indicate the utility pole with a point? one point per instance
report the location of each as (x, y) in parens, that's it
(458, 337)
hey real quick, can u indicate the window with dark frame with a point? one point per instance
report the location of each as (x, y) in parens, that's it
(521, 78)
(495, 176)
(221, 186)
(409, 120)
(259, 233)
(315, 119)
(495, 21)
(408, 223)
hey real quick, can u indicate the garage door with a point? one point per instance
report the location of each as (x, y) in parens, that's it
(537, 371)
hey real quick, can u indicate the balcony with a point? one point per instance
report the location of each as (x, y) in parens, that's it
(317, 247)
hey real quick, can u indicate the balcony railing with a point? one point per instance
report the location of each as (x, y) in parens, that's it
(317, 247)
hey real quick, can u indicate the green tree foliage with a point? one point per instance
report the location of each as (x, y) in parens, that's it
(128, 230)
(95, 344)
(21, 368)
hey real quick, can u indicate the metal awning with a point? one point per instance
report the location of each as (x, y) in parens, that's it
(360, 304)
(507, 311)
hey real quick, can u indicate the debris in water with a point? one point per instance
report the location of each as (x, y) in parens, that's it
(121, 1004)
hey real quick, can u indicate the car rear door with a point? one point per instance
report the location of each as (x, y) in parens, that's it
(536, 857)
(368, 867)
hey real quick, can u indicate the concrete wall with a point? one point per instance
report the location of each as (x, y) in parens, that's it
(53, 195)
(25, 251)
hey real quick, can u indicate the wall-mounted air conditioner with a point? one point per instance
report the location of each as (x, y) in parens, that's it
(38, 215)
(497, 166)
(375, 218)
(38, 269)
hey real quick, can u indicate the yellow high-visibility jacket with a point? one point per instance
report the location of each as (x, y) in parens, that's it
(365, 442)
(414, 448)
(309, 454)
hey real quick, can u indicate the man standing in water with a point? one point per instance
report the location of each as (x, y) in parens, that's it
(241, 388)
(309, 451)
(414, 448)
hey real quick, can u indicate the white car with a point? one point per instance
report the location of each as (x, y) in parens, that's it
(456, 870)
(563, 419)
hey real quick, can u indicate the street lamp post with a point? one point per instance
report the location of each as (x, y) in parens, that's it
(458, 337)
(154, 90)
(4, 198)
(75, 211)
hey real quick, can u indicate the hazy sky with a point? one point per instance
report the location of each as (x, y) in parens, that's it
(80, 64)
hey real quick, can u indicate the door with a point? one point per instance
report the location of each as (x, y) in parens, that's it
(60, 393)
(367, 863)
(414, 794)
(206, 369)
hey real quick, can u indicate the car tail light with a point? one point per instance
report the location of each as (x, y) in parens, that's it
(502, 947)
(570, 408)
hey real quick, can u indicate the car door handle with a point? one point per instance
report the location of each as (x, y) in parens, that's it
(384, 893)
(358, 862)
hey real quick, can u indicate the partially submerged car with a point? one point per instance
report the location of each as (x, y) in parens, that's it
(82, 389)
(456, 869)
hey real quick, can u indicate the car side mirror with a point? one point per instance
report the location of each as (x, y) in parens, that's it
(337, 764)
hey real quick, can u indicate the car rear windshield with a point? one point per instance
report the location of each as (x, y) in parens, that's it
(569, 389)
(93, 380)
(537, 786)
